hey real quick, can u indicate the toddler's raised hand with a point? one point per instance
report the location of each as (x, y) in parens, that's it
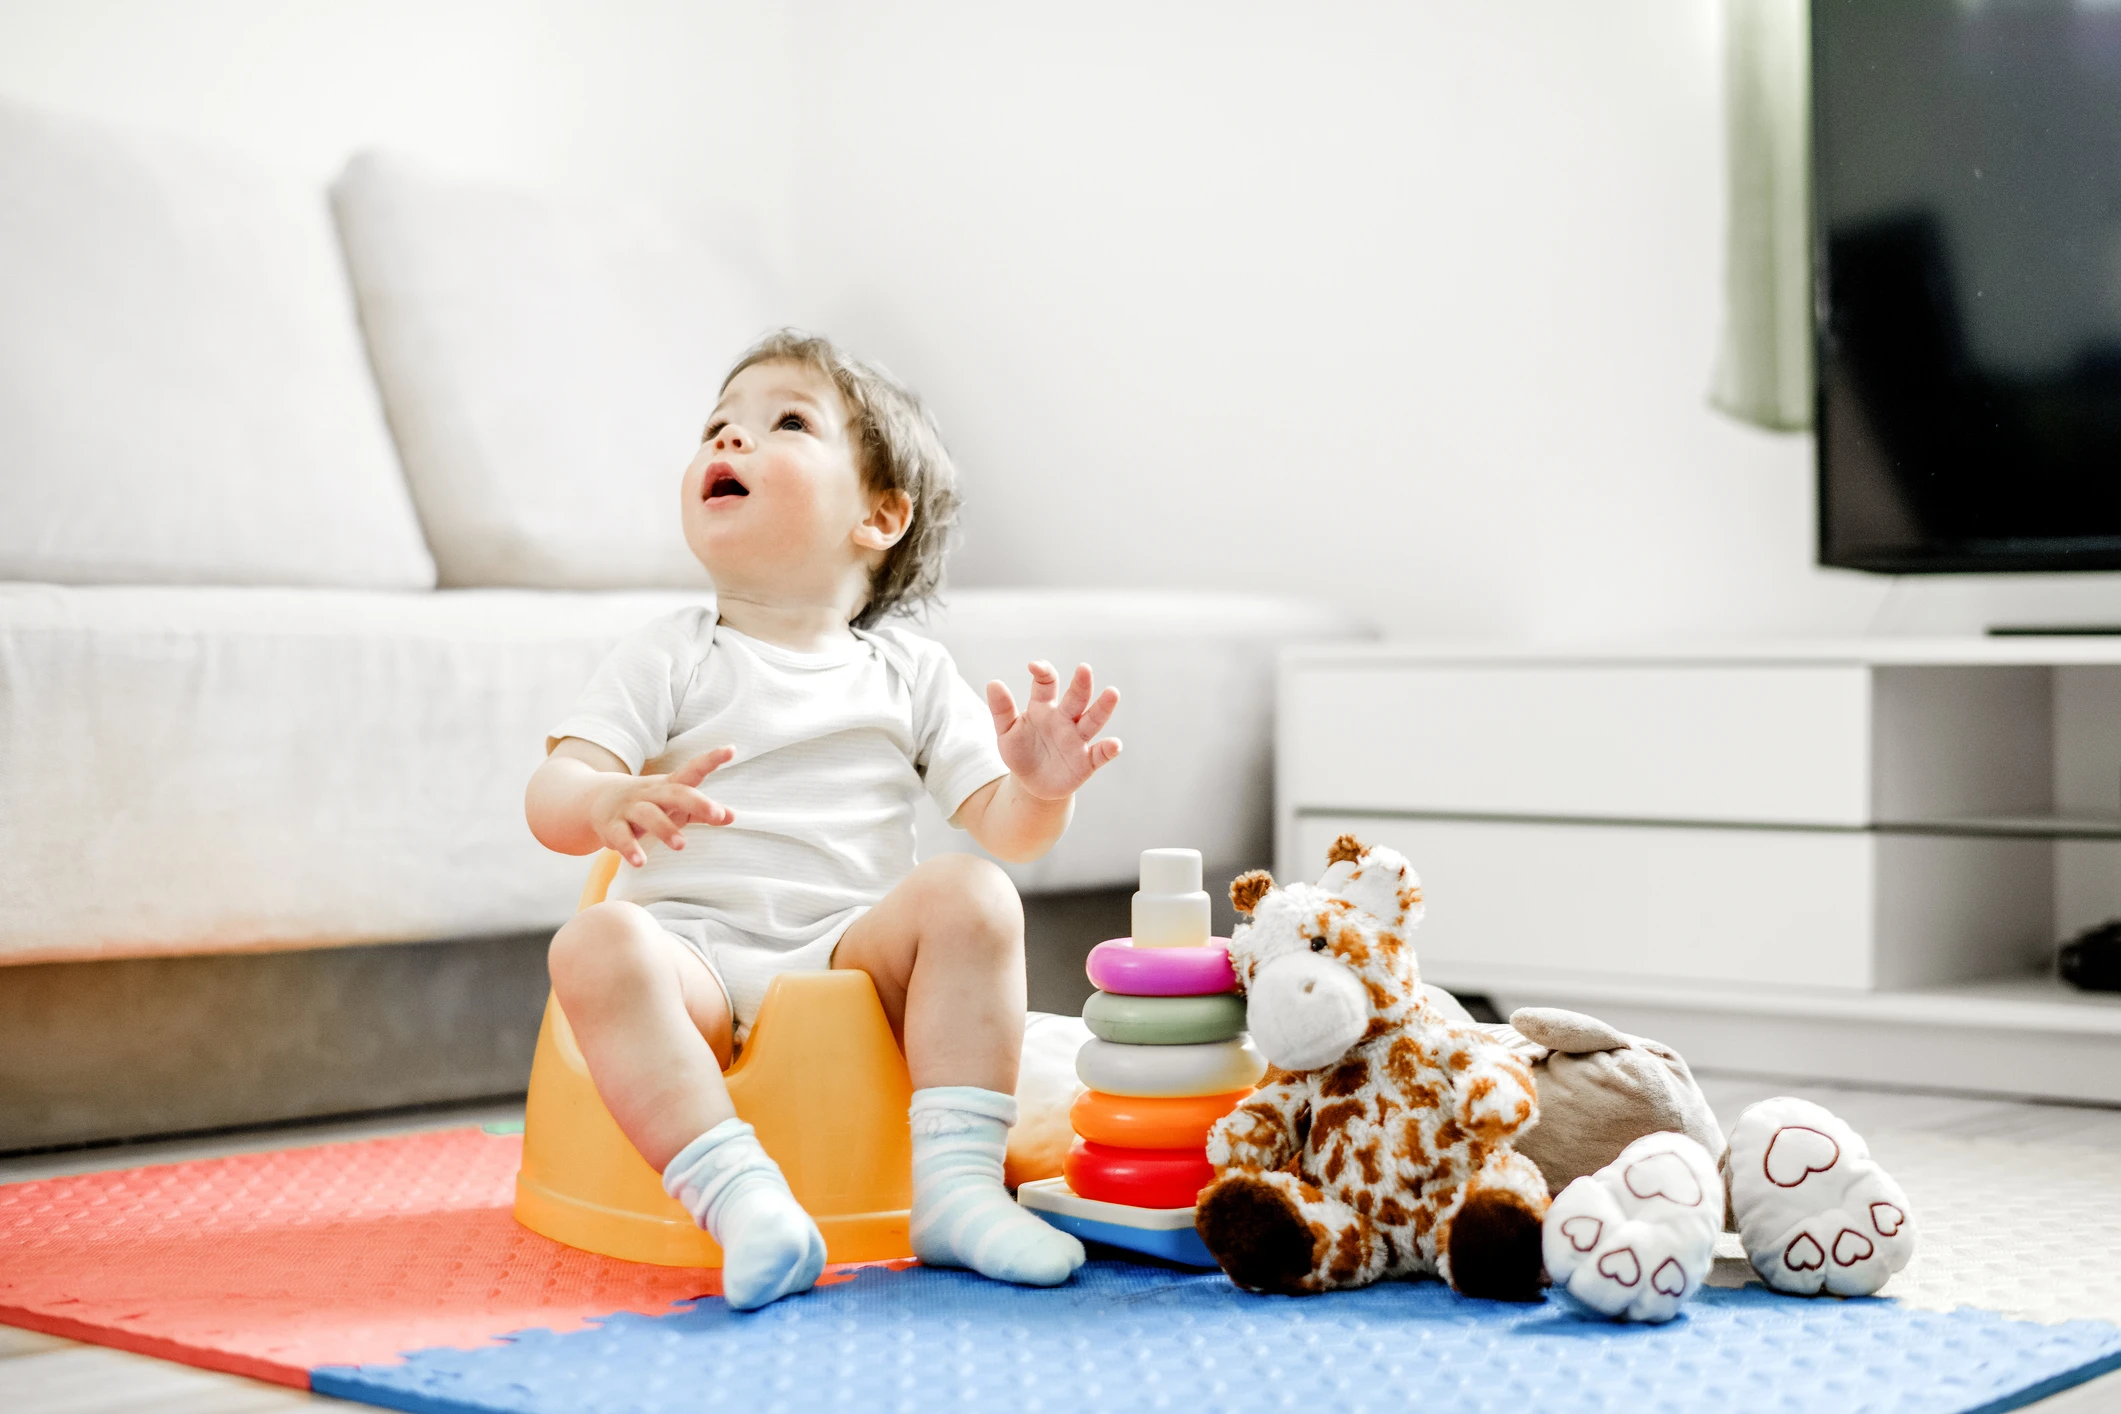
(1051, 746)
(632, 807)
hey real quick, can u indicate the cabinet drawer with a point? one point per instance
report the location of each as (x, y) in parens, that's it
(1752, 745)
(1785, 907)
(1859, 909)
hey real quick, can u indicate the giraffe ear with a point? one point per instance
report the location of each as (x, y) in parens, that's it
(1246, 890)
(1345, 850)
(1381, 884)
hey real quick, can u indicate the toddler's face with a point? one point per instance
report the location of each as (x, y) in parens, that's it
(773, 498)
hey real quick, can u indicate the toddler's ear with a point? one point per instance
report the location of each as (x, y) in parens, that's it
(890, 517)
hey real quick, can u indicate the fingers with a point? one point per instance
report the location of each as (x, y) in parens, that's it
(703, 765)
(616, 835)
(1002, 705)
(1091, 722)
(1103, 752)
(688, 807)
(1045, 685)
(1077, 696)
(647, 818)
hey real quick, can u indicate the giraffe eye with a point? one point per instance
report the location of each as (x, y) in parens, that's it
(1318, 945)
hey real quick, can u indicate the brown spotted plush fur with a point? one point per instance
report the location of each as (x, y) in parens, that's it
(1393, 1160)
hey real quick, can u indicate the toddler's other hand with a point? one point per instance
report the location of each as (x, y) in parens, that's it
(634, 806)
(1050, 747)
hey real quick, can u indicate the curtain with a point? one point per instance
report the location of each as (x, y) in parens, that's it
(1764, 368)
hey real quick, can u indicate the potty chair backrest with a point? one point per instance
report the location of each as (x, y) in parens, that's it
(822, 1081)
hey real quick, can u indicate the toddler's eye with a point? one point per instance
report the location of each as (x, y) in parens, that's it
(791, 422)
(712, 428)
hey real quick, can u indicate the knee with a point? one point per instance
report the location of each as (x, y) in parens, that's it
(973, 899)
(599, 953)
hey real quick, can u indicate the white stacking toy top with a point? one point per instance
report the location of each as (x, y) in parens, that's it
(1171, 909)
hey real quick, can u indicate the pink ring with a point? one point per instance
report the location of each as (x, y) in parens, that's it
(1119, 966)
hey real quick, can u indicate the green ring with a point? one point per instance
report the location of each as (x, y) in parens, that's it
(1164, 1021)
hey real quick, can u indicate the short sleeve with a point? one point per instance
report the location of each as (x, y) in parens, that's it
(957, 753)
(631, 702)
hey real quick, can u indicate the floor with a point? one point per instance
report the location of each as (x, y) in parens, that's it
(2019, 1152)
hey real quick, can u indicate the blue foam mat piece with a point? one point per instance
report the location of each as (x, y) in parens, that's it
(1123, 1336)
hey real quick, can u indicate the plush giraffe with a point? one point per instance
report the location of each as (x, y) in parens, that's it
(1379, 1145)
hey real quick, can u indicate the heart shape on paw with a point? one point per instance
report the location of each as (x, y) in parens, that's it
(1851, 1247)
(1887, 1219)
(1796, 1153)
(1620, 1265)
(1582, 1231)
(1669, 1279)
(1664, 1176)
(1803, 1255)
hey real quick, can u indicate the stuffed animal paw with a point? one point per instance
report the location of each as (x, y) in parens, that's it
(1635, 1239)
(1814, 1209)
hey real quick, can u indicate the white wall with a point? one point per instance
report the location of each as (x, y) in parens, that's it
(1412, 306)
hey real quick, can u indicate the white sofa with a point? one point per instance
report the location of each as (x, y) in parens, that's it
(296, 568)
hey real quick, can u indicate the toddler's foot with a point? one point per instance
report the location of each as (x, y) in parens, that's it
(962, 1216)
(1636, 1238)
(1814, 1210)
(770, 1247)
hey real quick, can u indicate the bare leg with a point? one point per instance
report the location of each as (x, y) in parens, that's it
(652, 1024)
(946, 951)
(654, 1027)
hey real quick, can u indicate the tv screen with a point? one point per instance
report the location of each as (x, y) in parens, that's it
(1967, 243)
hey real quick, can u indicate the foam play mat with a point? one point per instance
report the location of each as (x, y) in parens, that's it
(391, 1272)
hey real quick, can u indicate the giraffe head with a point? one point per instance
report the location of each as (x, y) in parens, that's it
(1324, 966)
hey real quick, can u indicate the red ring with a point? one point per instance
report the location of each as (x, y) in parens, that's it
(1140, 1178)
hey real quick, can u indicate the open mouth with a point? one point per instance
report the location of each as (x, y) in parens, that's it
(721, 481)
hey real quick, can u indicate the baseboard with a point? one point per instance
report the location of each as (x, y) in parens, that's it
(94, 1052)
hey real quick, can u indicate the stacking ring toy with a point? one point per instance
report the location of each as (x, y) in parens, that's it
(1165, 1021)
(1140, 1178)
(1119, 966)
(1132, 1122)
(1213, 1068)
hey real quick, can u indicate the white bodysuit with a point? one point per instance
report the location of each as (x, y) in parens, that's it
(832, 750)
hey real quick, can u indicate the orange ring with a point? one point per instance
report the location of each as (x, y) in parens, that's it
(1139, 1178)
(1136, 1122)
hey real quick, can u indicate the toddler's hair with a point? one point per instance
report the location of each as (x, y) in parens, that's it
(898, 447)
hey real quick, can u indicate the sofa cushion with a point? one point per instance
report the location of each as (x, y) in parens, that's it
(547, 368)
(201, 770)
(183, 393)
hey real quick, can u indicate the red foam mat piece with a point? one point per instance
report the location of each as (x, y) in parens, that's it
(271, 1264)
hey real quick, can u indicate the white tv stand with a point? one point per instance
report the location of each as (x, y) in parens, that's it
(1836, 860)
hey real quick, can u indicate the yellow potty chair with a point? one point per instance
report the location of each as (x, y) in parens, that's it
(820, 1079)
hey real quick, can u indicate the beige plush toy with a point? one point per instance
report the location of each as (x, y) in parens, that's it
(1599, 1091)
(1379, 1145)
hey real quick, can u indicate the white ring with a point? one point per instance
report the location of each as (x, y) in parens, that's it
(1157, 1072)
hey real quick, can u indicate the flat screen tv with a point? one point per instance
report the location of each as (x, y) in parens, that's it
(1967, 260)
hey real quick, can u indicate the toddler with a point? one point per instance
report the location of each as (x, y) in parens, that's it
(820, 501)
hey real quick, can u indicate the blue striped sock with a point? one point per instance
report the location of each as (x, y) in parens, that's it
(734, 1189)
(962, 1215)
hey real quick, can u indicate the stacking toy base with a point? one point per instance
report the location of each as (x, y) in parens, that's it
(1165, 1233)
